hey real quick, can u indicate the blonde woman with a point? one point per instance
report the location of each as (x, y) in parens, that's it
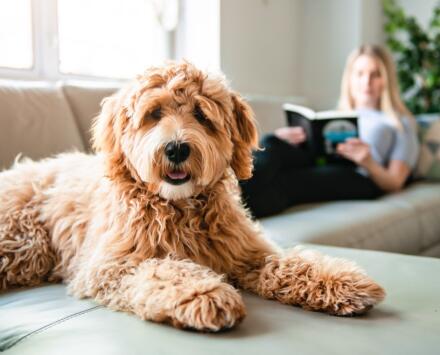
(384, 154)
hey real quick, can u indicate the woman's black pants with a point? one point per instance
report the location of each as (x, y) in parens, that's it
(285, 175)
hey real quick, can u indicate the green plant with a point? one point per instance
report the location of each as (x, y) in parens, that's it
(417, 54)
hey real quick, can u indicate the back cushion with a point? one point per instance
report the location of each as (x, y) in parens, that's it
(429, 134)
(85, 99)
(35, 120)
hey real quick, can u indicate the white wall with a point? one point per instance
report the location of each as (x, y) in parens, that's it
(371, 22)
(259, 43)
(330, 32)
(334, 28)
(298, 48)
(294, 48)
(198, 37)
(421, 9)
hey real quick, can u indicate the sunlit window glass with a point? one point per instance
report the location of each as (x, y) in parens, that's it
(110, 38)
(16, 34)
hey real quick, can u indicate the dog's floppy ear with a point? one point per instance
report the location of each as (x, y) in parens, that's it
(103, 137)
(245, 138)
(106, 134)
(107, 126)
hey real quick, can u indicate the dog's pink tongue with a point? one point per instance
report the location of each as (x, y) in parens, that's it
(177, 175)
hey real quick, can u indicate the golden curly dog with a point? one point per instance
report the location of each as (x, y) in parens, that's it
(153, 223)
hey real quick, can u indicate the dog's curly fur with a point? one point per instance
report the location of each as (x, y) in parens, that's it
(159, 236)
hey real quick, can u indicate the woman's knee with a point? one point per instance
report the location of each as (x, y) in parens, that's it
(266, 202)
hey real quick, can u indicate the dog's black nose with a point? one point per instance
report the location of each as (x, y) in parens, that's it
(177, 152)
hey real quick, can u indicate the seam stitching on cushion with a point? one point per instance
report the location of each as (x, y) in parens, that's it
(74, 115)
(50, 325)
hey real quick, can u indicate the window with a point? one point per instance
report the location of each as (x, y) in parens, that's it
(16, 34)
(104, 39)
(116, 38)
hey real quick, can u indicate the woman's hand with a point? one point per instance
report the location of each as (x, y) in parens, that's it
(391, 178)
(355, 150)
(293, 135)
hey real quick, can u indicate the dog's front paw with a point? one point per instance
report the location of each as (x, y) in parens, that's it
(321, 283)
(354, 297)
(210, 310)
(344, 294)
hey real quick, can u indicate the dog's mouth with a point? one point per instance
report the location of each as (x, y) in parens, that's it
(177, 177)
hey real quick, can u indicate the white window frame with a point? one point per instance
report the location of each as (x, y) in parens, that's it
(45, 48)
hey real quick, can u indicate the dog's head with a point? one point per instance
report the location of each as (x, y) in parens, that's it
(177, 130)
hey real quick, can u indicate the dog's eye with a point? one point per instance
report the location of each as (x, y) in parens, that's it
(199, 115)
(156, 114)
(202, 119)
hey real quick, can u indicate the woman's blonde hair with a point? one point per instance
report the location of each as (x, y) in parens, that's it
(390, 101)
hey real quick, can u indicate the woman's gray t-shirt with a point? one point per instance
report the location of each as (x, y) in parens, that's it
(386, 141)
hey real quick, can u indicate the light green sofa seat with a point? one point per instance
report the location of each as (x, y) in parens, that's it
(406, 222)
(45, 321)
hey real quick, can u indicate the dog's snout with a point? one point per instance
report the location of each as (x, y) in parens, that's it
(177, 152)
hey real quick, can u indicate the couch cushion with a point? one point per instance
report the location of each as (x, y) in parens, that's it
(406, 222)
(45, 321)
(424, 199)
(429, 135)
(84, 99)
(35, 120)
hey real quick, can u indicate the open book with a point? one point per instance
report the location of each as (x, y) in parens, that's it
(324, 130)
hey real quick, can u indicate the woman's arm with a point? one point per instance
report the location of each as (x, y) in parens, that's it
(390, 179)
(293, 135)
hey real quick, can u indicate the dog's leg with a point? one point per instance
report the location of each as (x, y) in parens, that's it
(178, 292)
(315, 282)
(308, 279)
(26, 256)
(304, 278)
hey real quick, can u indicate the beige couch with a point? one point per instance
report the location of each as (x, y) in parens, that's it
(40, 119)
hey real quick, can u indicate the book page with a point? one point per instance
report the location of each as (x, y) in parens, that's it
(302, 110)
(334, 114)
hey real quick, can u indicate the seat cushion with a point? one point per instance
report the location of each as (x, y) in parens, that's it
(424, 199)
(84, 99)
(45, 321)
(35, 120)
(406, 222)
